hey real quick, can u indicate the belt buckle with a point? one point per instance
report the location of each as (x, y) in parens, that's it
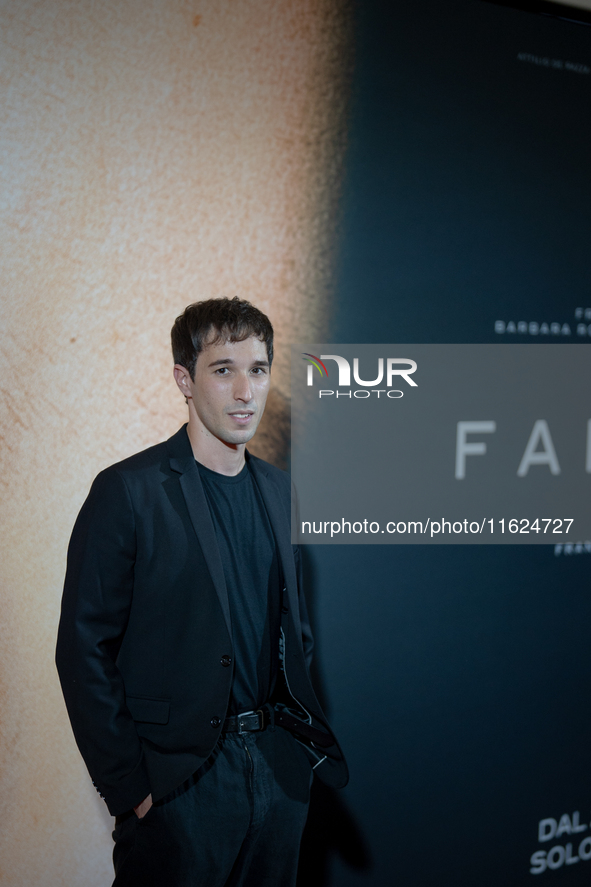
(242, 722)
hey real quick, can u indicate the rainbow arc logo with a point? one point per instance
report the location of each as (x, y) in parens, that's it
(314, 361)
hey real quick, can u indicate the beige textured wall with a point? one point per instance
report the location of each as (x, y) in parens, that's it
(152, 152)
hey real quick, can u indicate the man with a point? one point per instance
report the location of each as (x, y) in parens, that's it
(184, 642)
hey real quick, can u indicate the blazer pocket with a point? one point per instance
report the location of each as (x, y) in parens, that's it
(151, 711)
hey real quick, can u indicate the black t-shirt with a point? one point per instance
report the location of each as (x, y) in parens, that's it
(251, 569)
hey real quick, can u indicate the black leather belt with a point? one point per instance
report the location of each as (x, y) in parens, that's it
(250, 722)
(259, 720)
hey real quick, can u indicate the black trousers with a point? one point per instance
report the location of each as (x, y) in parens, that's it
(237, 822)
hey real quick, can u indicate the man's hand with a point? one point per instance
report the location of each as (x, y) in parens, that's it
(142, 809)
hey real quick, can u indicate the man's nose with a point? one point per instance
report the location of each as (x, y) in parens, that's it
(243, 389)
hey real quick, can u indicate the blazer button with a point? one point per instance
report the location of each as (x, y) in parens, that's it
(226, 661)
(215, 722)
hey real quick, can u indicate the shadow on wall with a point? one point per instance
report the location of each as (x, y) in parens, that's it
(331, 830)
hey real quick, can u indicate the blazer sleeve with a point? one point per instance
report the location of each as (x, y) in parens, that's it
(95, 608)
(307, 637)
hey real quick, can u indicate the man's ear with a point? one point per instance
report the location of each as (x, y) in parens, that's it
(182, 379)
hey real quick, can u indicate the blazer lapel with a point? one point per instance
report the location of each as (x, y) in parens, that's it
(278, 517)
(183, 462)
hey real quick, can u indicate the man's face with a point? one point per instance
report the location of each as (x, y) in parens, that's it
(230, 389)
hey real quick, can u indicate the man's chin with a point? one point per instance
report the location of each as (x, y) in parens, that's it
(234, 438)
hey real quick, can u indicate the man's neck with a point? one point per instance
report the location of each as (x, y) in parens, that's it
(228, 459)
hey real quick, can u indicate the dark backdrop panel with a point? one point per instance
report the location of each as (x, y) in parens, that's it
(468, 187)
(458, 679)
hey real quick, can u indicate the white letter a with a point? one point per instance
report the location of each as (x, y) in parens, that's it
(546, 456)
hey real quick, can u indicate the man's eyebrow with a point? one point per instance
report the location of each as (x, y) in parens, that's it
(225, 361)
(221, 362)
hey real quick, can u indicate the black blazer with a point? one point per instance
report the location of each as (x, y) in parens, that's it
(145, 636)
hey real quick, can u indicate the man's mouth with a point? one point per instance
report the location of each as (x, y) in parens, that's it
(242, 416)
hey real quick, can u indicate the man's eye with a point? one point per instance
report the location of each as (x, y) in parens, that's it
(222, 371)
(260, 371)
